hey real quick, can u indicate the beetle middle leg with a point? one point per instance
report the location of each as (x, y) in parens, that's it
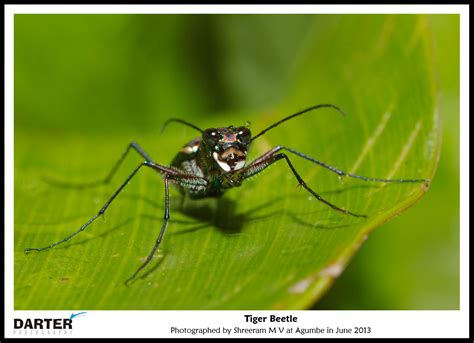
(160, 236)
(184, 179)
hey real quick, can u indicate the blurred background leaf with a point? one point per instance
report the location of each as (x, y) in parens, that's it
(85, 86)
(413, 262)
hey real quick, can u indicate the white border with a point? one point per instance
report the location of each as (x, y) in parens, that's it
(464, 161)
(239, 9)
(143, 324)
(9, 165)
(434, 324)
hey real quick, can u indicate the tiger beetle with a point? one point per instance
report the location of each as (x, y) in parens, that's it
(210, 164)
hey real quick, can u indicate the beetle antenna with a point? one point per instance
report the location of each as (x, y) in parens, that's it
(297, 114)
(180, 121)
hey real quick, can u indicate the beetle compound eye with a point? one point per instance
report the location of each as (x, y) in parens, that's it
(211, 136)
(244, 135)
(211, 133)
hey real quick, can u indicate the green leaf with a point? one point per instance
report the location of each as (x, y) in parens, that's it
(267, 244)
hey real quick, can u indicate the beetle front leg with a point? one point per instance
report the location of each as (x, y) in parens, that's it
(336, 170)
(269, 158)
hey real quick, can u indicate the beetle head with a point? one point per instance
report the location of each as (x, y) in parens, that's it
(228, 146)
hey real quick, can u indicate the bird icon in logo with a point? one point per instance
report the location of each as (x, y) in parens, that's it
(74, 315)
